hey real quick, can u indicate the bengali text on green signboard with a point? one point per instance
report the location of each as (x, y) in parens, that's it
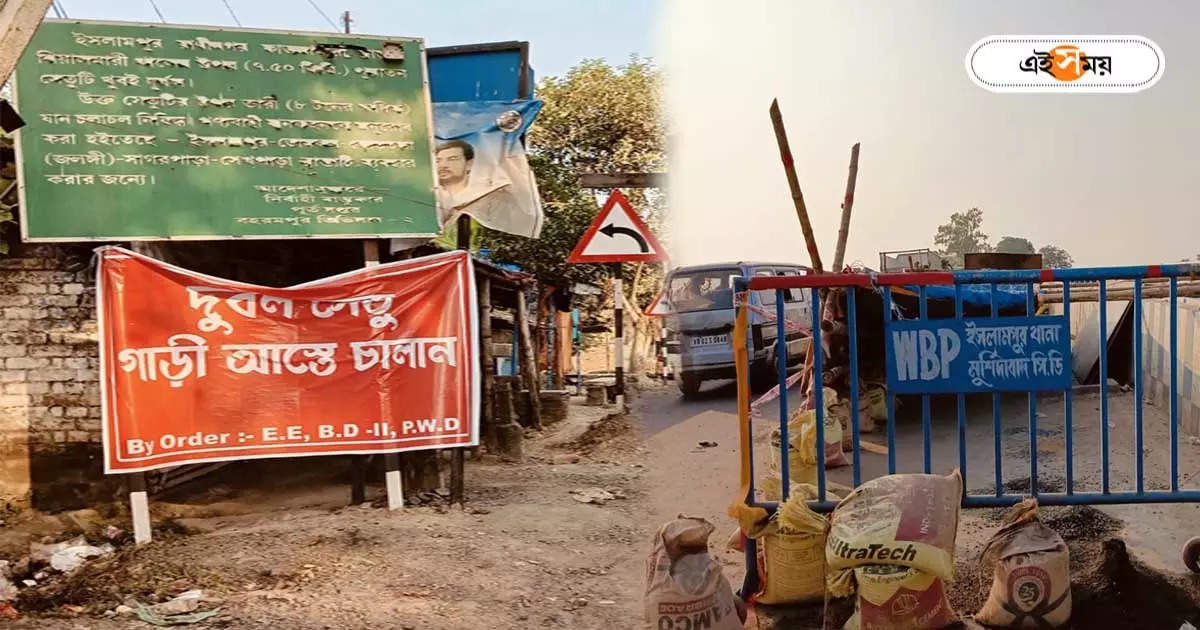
(146, 132)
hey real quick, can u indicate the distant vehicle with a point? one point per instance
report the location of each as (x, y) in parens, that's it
(702, 315)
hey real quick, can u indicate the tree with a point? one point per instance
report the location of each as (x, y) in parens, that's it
(596, 119)
(1055, 256)
(962, 235)
(1014, 245)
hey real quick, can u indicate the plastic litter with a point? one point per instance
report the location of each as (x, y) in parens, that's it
(70, 558)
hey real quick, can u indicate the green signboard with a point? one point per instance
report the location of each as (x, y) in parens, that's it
(141, 132)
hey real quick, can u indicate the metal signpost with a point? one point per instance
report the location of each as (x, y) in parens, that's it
(618, 235)
(203, 133)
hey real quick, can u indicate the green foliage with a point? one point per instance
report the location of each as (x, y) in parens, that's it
(1014, 245)
(596, 119)
(1055, 257)
(963, 234)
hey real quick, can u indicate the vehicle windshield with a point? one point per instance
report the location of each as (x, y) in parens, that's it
(701, 290)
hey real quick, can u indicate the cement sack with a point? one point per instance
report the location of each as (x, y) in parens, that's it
(1031, 576)
(802, 437)
(899, 598)
(685, 587)
(791, 551)
(872, 408)
(904, 520)
(835, 431)
(802, 454)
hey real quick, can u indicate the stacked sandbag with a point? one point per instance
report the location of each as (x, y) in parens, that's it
(802, 441)
(791, 553)
(872, 408)
(897, 533)
(685, 587)
(1031, 573)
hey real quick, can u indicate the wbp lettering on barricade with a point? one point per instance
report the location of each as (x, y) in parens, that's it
(980, 355)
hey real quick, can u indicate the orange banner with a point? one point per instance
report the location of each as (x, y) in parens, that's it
(199, 369)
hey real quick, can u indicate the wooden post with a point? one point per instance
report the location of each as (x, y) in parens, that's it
(529, 363)
(458, 455)
(839, 254)
(618, 329)
(789, 168)
(484, 285)
(139, 506)
(391, 461)
(19, 20)
(139, 501)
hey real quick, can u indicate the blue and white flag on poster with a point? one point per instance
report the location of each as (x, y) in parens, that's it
(481, 166)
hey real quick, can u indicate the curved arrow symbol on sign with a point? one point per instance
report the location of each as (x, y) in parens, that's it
(611, 230)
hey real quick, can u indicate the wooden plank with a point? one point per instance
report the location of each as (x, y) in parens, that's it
(623, 180)
(19, 20)
(529, 362)
(872, 447)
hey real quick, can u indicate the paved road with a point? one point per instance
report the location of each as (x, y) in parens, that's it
(703, 481)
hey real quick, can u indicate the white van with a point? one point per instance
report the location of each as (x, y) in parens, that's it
(702, 314)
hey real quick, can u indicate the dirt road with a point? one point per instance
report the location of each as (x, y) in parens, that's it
(276, 546)
(526, 554)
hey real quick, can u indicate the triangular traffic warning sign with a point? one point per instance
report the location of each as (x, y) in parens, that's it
(660, 306)
(617, 235)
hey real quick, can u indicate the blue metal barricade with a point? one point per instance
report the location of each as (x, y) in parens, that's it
(1010, 353)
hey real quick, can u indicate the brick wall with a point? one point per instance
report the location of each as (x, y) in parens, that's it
(49, 394)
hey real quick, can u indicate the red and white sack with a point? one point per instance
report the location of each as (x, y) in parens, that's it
(1031, 574)
(908, 520)
(899, 598)
(685, 587)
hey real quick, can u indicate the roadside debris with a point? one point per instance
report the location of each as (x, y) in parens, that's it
(599, 496)
(8, 611)
(68, 559)
(707, 444)
(114, 534)
(179, 610)
(151, 617)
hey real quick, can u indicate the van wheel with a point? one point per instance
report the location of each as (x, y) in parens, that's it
(689, 386)
(763, 376)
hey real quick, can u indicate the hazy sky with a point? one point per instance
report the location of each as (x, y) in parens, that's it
(560, 33)
(1114, 179)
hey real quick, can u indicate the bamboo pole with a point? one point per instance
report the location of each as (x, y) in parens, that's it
(789, 168)
(839, 254)
(1157, 292)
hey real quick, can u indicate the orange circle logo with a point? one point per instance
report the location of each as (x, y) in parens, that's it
(1067, 62)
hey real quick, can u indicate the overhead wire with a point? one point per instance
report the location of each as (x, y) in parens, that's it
(332, 24)
(160, 15)
(231, 13)
(59, 10)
